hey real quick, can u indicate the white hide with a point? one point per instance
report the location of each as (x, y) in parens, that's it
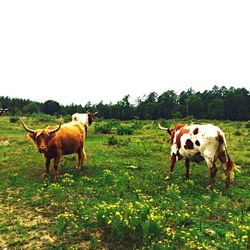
(82, 118)
(209, 147)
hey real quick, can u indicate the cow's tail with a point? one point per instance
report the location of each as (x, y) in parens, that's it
(86, 130)
(229, 164)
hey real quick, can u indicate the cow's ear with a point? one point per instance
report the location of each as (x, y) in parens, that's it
(52, 134)
(32, 136)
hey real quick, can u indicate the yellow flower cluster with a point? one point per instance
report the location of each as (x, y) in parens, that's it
(66, 216)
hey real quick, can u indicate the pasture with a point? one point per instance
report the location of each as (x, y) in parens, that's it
(120, 199)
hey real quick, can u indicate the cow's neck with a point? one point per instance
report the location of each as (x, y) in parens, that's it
(90, 119)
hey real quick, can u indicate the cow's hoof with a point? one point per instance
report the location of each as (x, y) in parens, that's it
(45, 175)
(78, 169)
(167, 178)
(56, 177)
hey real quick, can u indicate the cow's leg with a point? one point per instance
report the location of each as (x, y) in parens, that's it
(187, 169)
(213, 171)
(56, 164)
(80, 159)
(172, 163)
(227, 166)
(47, 164)
(84, 154)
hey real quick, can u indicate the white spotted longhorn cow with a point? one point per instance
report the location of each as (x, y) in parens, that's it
(197, 143)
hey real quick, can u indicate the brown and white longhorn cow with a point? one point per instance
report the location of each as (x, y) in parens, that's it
(197, 143)
(2, 111)
(85, 119)
(54, 142)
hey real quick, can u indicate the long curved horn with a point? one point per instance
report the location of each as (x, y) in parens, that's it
(55, 130)
(26, 128)
(96, 112)
(165, 129)
(162, 128)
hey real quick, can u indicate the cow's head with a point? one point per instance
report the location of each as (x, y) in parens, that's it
(167, 130)
(2, 111)
(91, 116)
(41, 136)
(171, 132)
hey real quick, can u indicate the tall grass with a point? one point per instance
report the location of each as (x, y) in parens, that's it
(120, 199)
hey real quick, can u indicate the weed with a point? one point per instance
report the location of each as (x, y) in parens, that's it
(14, 119)
(247, 125)
(237, 133)
(112, 140)
(120, 199)
(124, 130)
(103, 128)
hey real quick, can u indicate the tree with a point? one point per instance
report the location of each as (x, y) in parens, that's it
(125, 109)
(216, 109)
(167, 104)
(31, 108)
(51, 107)
(183, 102)
(149, 106)
(195, 105)
(237, 104)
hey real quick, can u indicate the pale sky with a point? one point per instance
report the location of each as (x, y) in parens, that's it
(80, 51)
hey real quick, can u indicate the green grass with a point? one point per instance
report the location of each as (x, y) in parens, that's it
(120, 200)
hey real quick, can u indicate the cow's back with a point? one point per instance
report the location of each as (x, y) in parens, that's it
(69, 138)
(82, 118)
(192, 139)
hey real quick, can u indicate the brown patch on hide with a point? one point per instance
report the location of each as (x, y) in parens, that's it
(219, 137)
(179, 126)
(196, 130)
(172, 133)
(222, 157)
(189, 144)
(230, 164)
(180, 134)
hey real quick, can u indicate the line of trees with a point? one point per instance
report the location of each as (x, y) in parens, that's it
(218, 103)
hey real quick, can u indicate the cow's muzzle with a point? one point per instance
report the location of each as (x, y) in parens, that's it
(42, 150)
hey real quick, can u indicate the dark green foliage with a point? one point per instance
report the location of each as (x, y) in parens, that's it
(32, 107)
(112, 140)
(218, 103)
(137, 125)
(13, 119)
(237, 133)
(114, 123)
(124, 130)
(51, 107)
(103, 128)
(119, 199)
(247, 125)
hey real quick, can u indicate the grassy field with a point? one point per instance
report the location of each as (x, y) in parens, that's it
(120, 199)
